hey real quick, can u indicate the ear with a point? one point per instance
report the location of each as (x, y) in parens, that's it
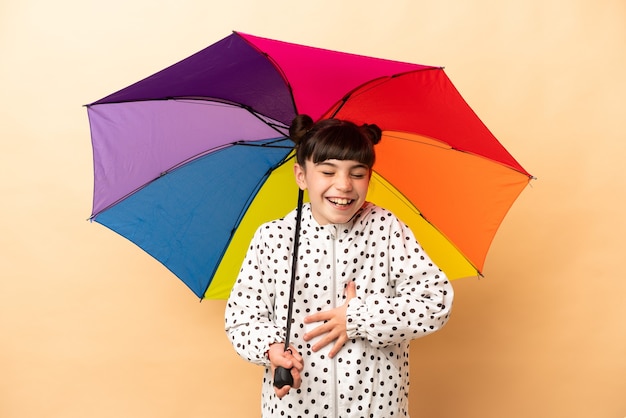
(300, 175)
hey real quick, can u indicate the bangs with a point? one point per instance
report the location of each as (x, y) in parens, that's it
(345, 143)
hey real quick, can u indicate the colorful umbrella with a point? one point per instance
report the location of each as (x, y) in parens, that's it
(191, 160)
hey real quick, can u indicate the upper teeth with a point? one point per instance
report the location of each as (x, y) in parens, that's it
(341, 201)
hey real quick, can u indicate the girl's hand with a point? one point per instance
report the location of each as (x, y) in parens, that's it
(333, 327)
(289, 359)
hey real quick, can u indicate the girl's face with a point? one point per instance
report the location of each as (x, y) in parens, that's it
(337, 188)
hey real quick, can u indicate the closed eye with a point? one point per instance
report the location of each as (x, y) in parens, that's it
(359, 174)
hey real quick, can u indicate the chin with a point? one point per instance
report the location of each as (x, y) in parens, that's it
(344, 218)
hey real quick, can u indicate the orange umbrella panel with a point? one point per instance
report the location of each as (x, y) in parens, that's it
(463, 196)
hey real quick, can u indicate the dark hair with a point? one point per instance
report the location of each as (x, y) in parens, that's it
(333, 139)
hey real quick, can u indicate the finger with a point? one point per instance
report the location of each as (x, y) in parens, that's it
(279, 357)
(317, 317)
(338, 346)
(283, 361)
(295, 354)
(297, 363)
(350, 290)
(318, 330)
(282, 391)
(297, 379)
(324, 341)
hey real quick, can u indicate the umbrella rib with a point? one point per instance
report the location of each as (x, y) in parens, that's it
(255, 191)
(243, 211)
(194, 157)
(174, 98)
(224, 146)
(273, 125)
(264, 119)
(271, 144)
(279, 69)
(414, 208)
(439, 144)
(279, 128)
(208, 101)
(444, 145)
(374, 83)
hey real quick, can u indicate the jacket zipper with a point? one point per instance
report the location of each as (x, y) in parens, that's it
(335, 295)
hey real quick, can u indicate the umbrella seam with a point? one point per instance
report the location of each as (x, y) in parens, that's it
(375, 82)
(386, 184)
(187, 161)
(240, 217)
(279, 69)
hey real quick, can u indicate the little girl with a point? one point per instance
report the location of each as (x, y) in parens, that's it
(364, 288)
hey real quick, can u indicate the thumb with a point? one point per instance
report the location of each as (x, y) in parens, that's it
(350, 290)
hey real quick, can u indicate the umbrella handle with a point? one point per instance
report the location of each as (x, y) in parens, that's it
(282, 377)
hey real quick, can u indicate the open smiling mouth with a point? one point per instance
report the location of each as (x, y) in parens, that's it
(341, 202)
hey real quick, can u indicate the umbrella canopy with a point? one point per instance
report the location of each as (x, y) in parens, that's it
(191, 160)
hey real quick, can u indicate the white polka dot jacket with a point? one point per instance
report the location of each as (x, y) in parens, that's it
(401, 295)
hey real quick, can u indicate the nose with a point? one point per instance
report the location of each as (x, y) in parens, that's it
(344, 183)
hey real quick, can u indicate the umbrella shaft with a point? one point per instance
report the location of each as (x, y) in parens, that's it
(294, 262)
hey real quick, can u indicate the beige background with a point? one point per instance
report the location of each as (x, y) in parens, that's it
(93, 327)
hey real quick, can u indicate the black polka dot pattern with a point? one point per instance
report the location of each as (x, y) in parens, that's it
(401, 295)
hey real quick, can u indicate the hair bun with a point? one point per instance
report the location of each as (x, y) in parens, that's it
(300, 125)
(373, 132)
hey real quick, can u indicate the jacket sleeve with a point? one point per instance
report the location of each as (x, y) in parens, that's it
(249, 308)
(419, 304)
